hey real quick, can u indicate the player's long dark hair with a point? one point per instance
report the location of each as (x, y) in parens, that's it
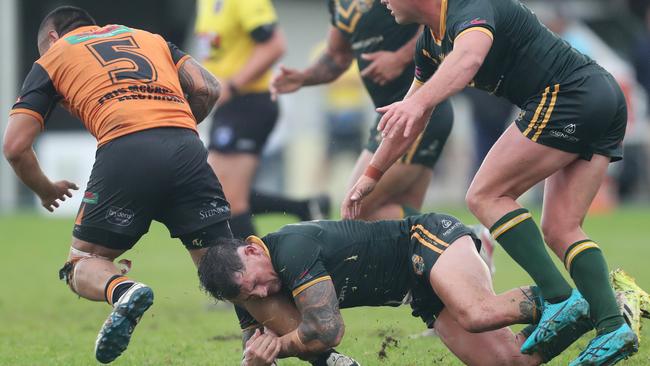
(218, 267)
(67, 18)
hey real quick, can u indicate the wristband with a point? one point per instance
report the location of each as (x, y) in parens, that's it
(373, 172)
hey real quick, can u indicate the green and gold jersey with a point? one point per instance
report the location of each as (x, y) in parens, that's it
(369, 263)
(525, 56)
(227, 26)
(369, 27)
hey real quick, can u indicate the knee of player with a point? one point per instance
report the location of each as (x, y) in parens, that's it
(552, 230)
(474, 320)
(473, 199)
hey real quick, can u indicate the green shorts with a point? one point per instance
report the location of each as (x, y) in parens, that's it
(431, 235)
(427, 148)
(585, 115)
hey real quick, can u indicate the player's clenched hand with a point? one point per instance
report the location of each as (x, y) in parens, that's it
(384, 66)
(407, 116)
(351, 206)
(57, 192)
(286, 81)
(261, 349)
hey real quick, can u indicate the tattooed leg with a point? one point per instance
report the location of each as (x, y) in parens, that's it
(462, 281)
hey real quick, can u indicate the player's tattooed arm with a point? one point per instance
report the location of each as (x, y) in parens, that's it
(322, 326)
(201, 88)
(334, 61)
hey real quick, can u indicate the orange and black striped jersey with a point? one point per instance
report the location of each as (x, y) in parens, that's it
(116, 79)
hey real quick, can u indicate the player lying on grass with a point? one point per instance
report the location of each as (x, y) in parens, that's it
(431, 259)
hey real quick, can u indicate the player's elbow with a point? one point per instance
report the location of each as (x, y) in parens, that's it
(324, 336)
(332, 336)
(278, 44)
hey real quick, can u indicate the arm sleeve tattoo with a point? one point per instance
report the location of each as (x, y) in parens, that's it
(201, 88)
(321, 319)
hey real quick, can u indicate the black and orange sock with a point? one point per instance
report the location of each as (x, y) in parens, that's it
(116, 287)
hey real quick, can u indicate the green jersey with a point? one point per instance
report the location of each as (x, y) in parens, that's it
(525, 56)
(368, 26)
(370, 264)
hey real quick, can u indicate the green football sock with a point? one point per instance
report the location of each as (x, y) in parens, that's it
(519, 236)
(585, 262)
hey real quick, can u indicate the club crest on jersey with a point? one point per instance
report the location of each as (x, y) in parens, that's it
(418, 264)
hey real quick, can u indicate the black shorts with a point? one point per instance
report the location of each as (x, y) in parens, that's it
(427, 148)
(585, 115)
(243, 124)
(159, 174)
(431, 235)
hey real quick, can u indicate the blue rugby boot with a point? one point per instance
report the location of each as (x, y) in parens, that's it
(556, 317)
(116, 332)
(609, 348)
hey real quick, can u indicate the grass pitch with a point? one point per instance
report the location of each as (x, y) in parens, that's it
(43, 323)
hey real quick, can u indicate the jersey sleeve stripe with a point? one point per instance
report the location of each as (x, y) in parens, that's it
(309, 284)
(426, 243)
(480, 29)
(181, 61)
(431, 236)
(418, 82)
(31, 113)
